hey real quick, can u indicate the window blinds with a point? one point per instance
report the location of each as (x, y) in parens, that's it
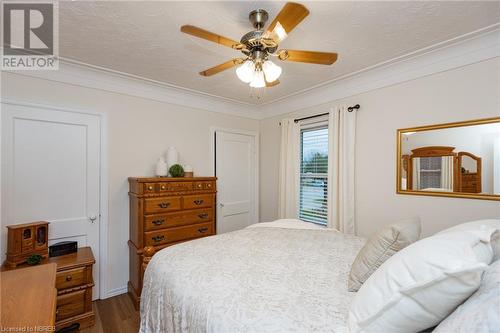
(314, 175)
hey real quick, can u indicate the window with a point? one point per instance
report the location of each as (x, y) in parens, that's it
(430, 172)
(313, 174)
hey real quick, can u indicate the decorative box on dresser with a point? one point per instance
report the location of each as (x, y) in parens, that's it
(164, 212)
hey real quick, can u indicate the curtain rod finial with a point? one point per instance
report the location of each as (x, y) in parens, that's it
(352, 108)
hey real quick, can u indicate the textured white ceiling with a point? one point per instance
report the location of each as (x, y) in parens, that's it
(143, 37)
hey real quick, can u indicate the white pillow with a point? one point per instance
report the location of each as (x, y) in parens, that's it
(481, 312)
(473, 225)
(481, 224)
(420, 285)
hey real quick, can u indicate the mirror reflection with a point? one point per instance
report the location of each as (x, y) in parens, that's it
(460, 159)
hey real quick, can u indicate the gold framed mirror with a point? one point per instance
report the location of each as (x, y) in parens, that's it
(460, 159)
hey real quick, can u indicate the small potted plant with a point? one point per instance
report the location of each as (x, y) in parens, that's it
(176, 170)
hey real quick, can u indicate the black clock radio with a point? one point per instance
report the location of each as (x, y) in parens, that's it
(62, 248)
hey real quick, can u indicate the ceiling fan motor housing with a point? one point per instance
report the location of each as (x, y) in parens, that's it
(258, 18)
(253, 40)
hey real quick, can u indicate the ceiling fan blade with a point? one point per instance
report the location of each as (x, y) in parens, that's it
(288, 18)
(312, 57)
(272, 84)
(204, 34)
(222, 67)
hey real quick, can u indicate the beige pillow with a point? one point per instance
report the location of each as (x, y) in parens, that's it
(381, 247)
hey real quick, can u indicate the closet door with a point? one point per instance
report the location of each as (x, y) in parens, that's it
(236, 173)
(51, 172)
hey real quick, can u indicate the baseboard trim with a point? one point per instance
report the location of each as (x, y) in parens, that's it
(116, 292)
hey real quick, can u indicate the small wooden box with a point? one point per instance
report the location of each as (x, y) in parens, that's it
(25, 240)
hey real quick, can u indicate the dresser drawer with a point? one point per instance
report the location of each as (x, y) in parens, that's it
(204, 185)
(155, 222)
(198, 201)
(178, 234)
(71, 278)
(175, 186)
(149, 188)
(70, 305)
(160, 205)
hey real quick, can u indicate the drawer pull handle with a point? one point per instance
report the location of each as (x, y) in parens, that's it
(158, 238)
(203, 216)
(69, 278)
(198, 202)
(199, 185)
(163, 187)
(158, 222)
(203, 230)
(164, 204)
(209, 185)
(150, 188)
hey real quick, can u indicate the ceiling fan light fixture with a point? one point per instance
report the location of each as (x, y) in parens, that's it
(271, 71)
(246, 71)
(258, 80)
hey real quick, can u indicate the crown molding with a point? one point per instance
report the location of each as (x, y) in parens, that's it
(471, 48)
(90, 76)
(464, 50)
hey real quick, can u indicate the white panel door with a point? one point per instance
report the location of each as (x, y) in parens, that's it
(235, 168)
(51, 173)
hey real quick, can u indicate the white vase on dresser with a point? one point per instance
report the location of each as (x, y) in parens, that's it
(172, 157)
(161, 167)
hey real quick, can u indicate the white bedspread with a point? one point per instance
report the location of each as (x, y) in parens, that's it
(264, 279)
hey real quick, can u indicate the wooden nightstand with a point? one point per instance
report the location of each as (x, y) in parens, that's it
(74, 284)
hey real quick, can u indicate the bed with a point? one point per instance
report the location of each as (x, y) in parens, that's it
(286, 276)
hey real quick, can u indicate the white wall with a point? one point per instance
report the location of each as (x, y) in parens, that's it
(139, 131)
(465, 93)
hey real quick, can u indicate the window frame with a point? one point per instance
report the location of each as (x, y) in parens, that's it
(311, 126)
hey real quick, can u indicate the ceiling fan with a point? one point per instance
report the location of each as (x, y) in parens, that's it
(259, 45)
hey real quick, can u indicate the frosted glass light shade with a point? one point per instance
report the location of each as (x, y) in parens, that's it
(258, 80)
(245, 71)
(271, 70)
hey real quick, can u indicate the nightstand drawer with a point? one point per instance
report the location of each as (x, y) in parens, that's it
(160, 205)
(70, 305)
(179, 234)
(155, 222)
(71, 278)
(198, 201)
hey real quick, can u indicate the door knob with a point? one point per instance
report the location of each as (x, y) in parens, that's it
(92, 218)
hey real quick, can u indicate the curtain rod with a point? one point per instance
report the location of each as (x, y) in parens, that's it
(349, 109)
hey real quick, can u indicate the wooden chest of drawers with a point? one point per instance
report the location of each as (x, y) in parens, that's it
(470, 183)
(164, 212)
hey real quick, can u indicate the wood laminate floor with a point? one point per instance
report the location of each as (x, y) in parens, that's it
(115, 314)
